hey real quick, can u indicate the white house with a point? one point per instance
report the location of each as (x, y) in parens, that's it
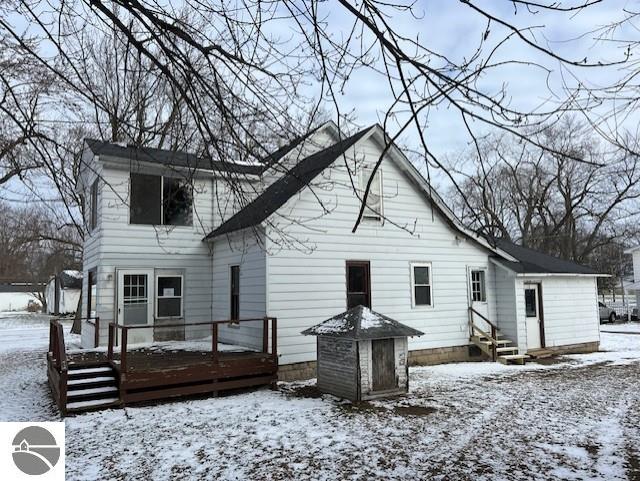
(63, 292)
(169, 244)
(635, 287)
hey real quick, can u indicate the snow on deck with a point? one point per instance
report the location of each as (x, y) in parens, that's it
(574, 419)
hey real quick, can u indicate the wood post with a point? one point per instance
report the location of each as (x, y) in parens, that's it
(274, 338)
(96, 333)
(214, 342)
(123, 351)
(110, 342)
(265, 335)
(494, 352)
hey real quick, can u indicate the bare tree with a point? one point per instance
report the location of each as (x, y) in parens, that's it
(547, 200)
(228, 67)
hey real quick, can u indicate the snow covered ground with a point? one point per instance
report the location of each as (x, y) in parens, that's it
(575, 419)
(626, 327)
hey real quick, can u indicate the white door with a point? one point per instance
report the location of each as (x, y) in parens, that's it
(532, 310)
(135, 303)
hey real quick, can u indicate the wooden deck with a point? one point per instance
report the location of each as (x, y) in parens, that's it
(96, 379)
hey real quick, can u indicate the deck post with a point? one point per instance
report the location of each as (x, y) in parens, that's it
(214, 342)
(265, 334)
(96, 332)
(123, 351)
(274, 337)
(110, 342)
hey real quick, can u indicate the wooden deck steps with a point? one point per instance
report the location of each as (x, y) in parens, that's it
(490, 340)
(91, 387)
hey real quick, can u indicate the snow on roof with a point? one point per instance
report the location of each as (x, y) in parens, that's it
(361, 323)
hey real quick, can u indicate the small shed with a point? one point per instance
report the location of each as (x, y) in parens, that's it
(362, 355)
(63, 292)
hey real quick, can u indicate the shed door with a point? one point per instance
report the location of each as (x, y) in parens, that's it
(383, 364)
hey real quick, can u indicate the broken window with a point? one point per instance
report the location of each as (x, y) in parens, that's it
(157, 200)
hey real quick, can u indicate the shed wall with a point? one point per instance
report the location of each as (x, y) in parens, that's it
(338, 367)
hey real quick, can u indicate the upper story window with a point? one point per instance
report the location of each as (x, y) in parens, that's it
(478, 286)
(373, 210)
(93, 206)
(158, 200)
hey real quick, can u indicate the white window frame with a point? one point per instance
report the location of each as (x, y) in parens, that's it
(365, 173)
(181, 296)
(484, 284)
(412, 265)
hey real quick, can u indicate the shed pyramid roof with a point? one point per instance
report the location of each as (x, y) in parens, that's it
(361, 323)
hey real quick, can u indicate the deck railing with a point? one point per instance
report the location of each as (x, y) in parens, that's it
(58, 360)
(120, 335)
(476, 330)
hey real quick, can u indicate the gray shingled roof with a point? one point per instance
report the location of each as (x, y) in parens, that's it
(534, 262)
(359, 323)
(278, 193)
(70, 279)
(167, 157)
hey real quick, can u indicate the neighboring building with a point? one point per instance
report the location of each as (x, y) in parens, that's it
(19, 296)
(168, 244)
(635, 286)
(63, 292)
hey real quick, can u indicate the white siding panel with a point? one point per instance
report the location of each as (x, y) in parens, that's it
(570, 309)
(240, 249)
(307, 279)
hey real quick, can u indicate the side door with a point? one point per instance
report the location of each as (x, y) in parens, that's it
(532, 314)
(135, 296)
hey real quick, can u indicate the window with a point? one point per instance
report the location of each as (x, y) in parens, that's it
(157, 200)
(93, 207)
(135, 300)
(169, 296)
(358, 284)
(530, 302)
(478, 288)
(145, 199)
(235, 293)
(421, 284)
(373, 209)
(176, 202)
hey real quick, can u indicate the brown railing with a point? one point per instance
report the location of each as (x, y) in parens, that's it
(58, 359)
(119, 336)
(491, 337)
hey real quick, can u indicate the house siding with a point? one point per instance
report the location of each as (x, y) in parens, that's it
(570, 309)
(117, 244)
(242, 249)
(307, 278)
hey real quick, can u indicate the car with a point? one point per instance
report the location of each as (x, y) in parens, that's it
(606, 313)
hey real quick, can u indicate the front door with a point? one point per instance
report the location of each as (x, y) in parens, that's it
(532, 309)
(358, 284)
(383, 364)
(135, 303)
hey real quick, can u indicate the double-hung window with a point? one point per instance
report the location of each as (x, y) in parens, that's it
(421, 284)
(478, 285)
(373, 209)
(169, 296)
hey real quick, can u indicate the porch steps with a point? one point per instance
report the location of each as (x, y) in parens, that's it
(506, 353)
(91, 387)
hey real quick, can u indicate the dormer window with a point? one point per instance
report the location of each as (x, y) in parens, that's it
(158, 200)
(373, 210)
